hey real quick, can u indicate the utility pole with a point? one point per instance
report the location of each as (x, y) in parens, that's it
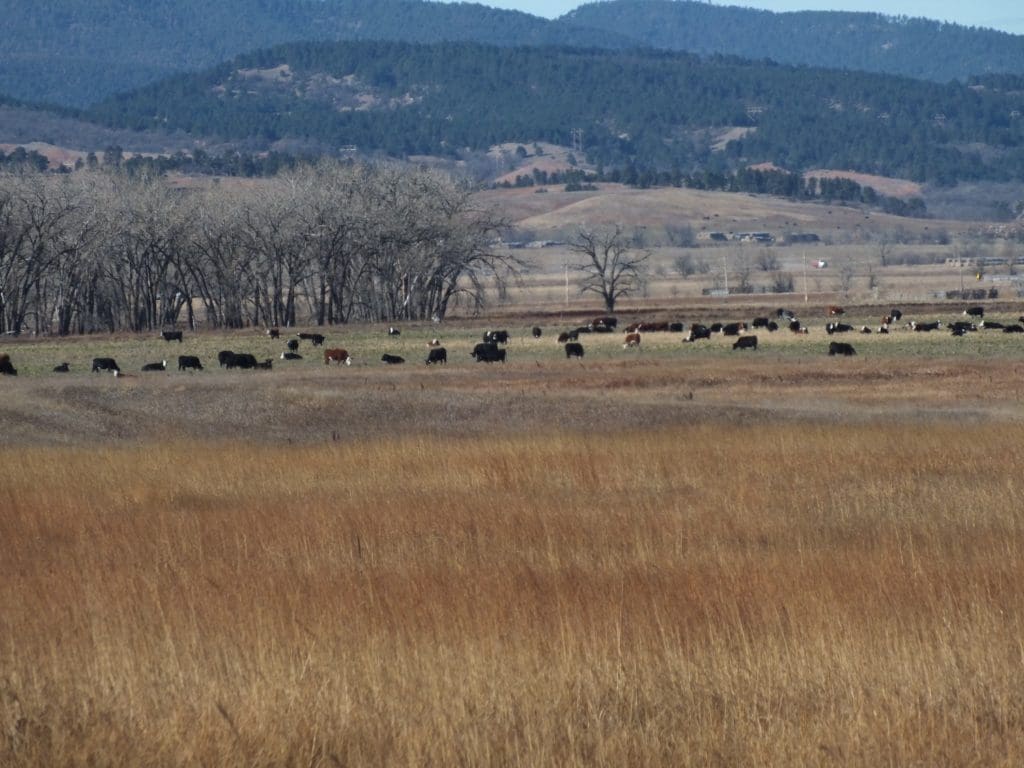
(805, 276)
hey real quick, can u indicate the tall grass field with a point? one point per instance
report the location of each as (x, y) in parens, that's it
(712, 594)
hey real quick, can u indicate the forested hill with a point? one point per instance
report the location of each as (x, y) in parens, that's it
(920, 48)
(642, 109)
(76, 52)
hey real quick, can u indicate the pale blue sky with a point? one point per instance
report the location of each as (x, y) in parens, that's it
(1007, 15)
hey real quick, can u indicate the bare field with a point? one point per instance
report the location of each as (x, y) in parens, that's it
(713, 594)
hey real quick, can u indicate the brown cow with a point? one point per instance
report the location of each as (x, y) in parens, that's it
(632, 340)
(835, 311)
(337, 355)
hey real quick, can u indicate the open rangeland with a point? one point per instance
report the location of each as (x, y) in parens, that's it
(677, 554)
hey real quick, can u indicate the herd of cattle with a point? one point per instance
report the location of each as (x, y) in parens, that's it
(492, 349)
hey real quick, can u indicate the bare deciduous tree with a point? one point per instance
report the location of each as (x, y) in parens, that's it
(611, 267)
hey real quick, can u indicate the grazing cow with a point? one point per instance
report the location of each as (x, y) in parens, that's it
(795, 327)
(607, 322)
(838, 328)
(841, 348)
(316, 338)
(632, 340)
(536, 332)
(292, 344)
(189, 363)
(6, 368)
(895, 314)
(991, 324)
(161, 366)
(338, 356)
(392, 331)
(498, 337)
(574, 349)
(104, 364)
(760, 322)
(975, 311)
(568, 336)
(62, 368)
(171, 336)
(835, 311)
(698, 331)
(437, 355)
(223, 356)
(716, 327)
(273, 332)
(733, 329)
(291, 356)
(488, 352)
(1016, 328)
(745, 342)
(785, 314)
(772, 326)
(392, 359)
(240, 360)
(925, 327)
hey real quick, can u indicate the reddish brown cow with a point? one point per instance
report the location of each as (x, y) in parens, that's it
(834, 311)
(339, 356)
(632, 340)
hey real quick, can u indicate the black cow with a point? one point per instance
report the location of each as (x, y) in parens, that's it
(841, 348)
(104, 364)
(536, 332)
(772, 326)
(698, 331)
(574, 349)
(291, 356)
(6, 367)
(600, 329)
(488, 352)
(838, 328)
(498, 337)
(189, 363)
(607, 322)
(991, 324)
(223, 356)
(437, 355)
(240, 360)
(62, 368)
(568, 336)
(161, 366)
(1016, 328)
(392, 359)
(895, 314)
(171, 336)
(960, 327)
(733, 329)
(292, 344)
(760, 322)
(975, 311)
(266, 365)
(273, 332)
(392, 331)
(316, 338)
(795, 327)
(925, 327)
(745, 342)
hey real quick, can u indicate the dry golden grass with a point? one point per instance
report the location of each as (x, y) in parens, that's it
(782, 594)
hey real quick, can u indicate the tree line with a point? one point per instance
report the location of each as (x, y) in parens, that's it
(322, 244)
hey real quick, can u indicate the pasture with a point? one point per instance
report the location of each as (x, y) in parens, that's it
(675, 555)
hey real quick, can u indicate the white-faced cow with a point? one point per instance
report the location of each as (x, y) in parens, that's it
(392, 331)
(838, 328)
(291, 356)
(745, 342)
(631, 340)
(437, 355)
(497, 337)
(574, 349)
(338, 356)
(161, 366)
(698, 331)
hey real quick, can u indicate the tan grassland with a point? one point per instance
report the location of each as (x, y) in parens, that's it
(714, 594)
